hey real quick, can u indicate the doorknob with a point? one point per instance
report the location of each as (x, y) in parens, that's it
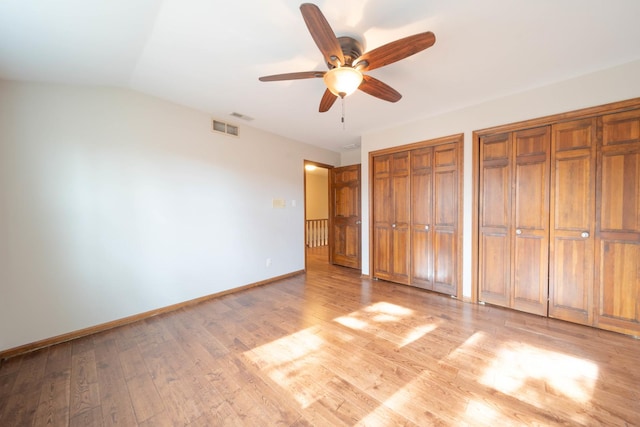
(358, 222)
(393, 226)
(584, 234)
(426, 227)
(518, 232)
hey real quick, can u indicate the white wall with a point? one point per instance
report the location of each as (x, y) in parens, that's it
(615, 84)
(350, 157)
(113, 203)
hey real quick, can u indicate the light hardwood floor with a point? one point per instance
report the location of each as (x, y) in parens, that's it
(329, 348)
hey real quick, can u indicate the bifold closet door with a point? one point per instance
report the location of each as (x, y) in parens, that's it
(514, 219)
(391, 217)
(618, 224)
(571, 257)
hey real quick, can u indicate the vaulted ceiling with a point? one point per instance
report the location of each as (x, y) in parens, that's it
(208, 54)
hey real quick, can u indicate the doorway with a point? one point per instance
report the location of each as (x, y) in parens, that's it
(332, 215)
(316, 213)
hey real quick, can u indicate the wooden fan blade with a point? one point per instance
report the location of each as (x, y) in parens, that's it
(292, 76)
(375, 87)
(327, 101)
(322, 33)
(395, 51)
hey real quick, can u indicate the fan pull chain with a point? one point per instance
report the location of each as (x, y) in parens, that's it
(343, 125)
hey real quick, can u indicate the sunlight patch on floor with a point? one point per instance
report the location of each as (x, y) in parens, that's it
(518, 366)
(482, 413)
(384, 312)
(416, 333)
(387, 312)
(294, 362)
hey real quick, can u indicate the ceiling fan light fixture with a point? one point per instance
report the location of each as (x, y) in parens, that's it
(342, 81)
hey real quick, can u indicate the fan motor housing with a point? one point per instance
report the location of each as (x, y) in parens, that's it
(351, 49)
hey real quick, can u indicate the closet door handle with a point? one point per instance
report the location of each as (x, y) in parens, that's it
(584, 234)
(426, 227)
(358, 222)
(518, 232)
(393, 226)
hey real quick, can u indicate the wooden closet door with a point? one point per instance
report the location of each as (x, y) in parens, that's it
(421, 218)
(494, 253)
(572, 221)
(618, 224)
(391, 217)
(530, 219)
(445, 218)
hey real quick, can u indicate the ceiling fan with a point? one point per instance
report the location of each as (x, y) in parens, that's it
(347, 63)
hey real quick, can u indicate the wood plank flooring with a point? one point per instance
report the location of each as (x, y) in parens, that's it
(329, 348)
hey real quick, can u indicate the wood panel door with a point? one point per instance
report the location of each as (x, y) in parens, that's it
(494, 254)
(572, 221)
(618, 224)
(346, 229)
(530, 219)
(391, 184)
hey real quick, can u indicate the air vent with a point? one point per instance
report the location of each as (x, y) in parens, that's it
(222, 127)
(242, 116)
(351, 146)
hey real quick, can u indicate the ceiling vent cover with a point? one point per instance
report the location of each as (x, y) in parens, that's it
(242, 116)
(226, 128)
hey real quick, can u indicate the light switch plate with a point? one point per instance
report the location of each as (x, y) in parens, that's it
(279, 203)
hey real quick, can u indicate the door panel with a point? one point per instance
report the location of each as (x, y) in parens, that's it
(400, 203)
(422, 258)
(382, 253)
(445, 217)
(445, 262)
(620, 274)
(382, 216)
(495, 272)
(345, 216)
(495, 217)
(572, 221)
(617, 298)
(421, 218)
(530, 241)
(530, 279)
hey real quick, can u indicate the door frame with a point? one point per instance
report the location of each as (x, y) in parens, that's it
(329, 224)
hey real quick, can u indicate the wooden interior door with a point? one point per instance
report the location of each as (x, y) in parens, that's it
(494, 254)
(344, 205)
(391, 214)
(572, 221)
(618, 224)
(530, 219)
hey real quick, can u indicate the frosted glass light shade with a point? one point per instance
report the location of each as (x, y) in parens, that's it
(342, 81)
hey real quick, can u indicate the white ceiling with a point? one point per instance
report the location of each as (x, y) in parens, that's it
(208, 54)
